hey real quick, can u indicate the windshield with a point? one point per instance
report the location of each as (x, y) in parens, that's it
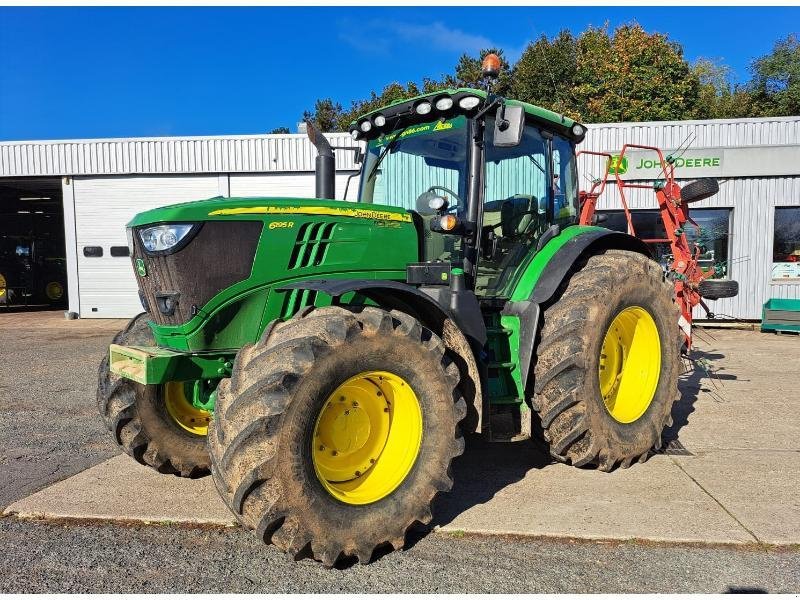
(422, 161)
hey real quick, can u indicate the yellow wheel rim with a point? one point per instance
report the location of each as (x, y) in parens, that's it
(183, 412)
(367, 437)
(2, 285)
(54, 290)
(630, 363)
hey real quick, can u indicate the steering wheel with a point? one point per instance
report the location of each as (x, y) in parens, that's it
(449, 191)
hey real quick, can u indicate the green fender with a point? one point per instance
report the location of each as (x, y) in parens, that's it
(540, 278)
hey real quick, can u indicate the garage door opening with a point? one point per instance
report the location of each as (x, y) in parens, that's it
(33, 266)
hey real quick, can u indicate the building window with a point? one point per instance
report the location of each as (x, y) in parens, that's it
(786, 245)
(713, 237)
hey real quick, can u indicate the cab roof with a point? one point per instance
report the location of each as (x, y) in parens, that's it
(404, 109)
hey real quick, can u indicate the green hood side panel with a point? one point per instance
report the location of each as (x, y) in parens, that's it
(301, 239)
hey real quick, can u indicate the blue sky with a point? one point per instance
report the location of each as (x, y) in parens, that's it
(112, 72)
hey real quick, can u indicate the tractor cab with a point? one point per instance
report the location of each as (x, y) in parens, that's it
(484, 177)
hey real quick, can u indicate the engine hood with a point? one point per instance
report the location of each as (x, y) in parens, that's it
(226, 208)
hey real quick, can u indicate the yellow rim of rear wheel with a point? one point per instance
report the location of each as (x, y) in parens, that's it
(367, 437)
(183, 412)
(630, 364)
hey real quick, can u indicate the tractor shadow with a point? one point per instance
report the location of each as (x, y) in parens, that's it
(484, 469)
(696, 378)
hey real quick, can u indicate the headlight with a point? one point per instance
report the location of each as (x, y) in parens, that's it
(469, 102)
(161, 238)
(380, 120)
(444, 103)
(423, 108)
(578, 130)
(365, 126)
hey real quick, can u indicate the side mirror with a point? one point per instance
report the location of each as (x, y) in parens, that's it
(508, 126)
(358, 155)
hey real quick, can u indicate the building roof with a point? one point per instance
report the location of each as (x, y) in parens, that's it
(294, 153)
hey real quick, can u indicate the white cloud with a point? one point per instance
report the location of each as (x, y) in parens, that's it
(382, 35)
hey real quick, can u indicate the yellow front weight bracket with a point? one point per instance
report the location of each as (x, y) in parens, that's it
(151, 365)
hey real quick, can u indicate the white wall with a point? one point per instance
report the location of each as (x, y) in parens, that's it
(289, 185)
(103, 206)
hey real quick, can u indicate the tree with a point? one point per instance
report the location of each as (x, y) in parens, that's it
(632, 76)
(597, 76)
(545, 74)
(776, 79)
(326, 114)
(280, 130)
(718, 97)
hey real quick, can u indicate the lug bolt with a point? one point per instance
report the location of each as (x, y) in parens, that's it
(334, 453)
(379, 393)
(358, 473)
(347, 412)
(355, 404)
(321, 447)
(372, 461)
(386, 409)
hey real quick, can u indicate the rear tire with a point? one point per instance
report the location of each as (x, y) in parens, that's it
(264, 434)
(576, 420)
(137, 416)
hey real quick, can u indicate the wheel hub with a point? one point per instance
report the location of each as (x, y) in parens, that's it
(183, 412)
(630, 364)
(367, 437)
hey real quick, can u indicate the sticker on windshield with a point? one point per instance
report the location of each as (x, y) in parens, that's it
(455, 123)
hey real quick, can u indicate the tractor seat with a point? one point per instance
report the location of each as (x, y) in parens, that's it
(516, 214)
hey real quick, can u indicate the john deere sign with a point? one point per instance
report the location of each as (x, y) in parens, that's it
(642, 164)
(745, 161)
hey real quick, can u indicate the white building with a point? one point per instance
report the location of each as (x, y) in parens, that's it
(94, 187)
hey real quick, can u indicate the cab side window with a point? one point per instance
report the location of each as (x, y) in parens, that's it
(516, 197)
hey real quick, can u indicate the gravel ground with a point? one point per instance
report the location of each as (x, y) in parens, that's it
(50, 428)
(82, 557)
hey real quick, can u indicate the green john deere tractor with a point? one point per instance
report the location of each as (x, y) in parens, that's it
(323, 359)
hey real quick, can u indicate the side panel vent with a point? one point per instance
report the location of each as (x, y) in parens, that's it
(296, 300)
(311, 245)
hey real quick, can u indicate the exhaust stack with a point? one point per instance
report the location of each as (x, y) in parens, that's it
(324, 166)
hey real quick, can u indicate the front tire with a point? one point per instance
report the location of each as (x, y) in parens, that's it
(293, 440)
(608, 362)
(145, 419)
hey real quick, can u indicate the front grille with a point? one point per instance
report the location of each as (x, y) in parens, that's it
(311, 245)
(220, 255)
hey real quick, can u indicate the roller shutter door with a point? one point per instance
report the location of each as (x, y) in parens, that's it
(103, 205)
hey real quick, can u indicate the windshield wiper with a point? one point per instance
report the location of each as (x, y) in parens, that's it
(536, 162)
(389, 147)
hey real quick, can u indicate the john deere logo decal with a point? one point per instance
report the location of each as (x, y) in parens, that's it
(140, 268)
(615, 165)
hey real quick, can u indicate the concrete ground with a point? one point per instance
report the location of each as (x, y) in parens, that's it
(49, 428)
(736, 483)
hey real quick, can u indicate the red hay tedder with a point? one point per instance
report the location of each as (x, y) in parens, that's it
(692, 284)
